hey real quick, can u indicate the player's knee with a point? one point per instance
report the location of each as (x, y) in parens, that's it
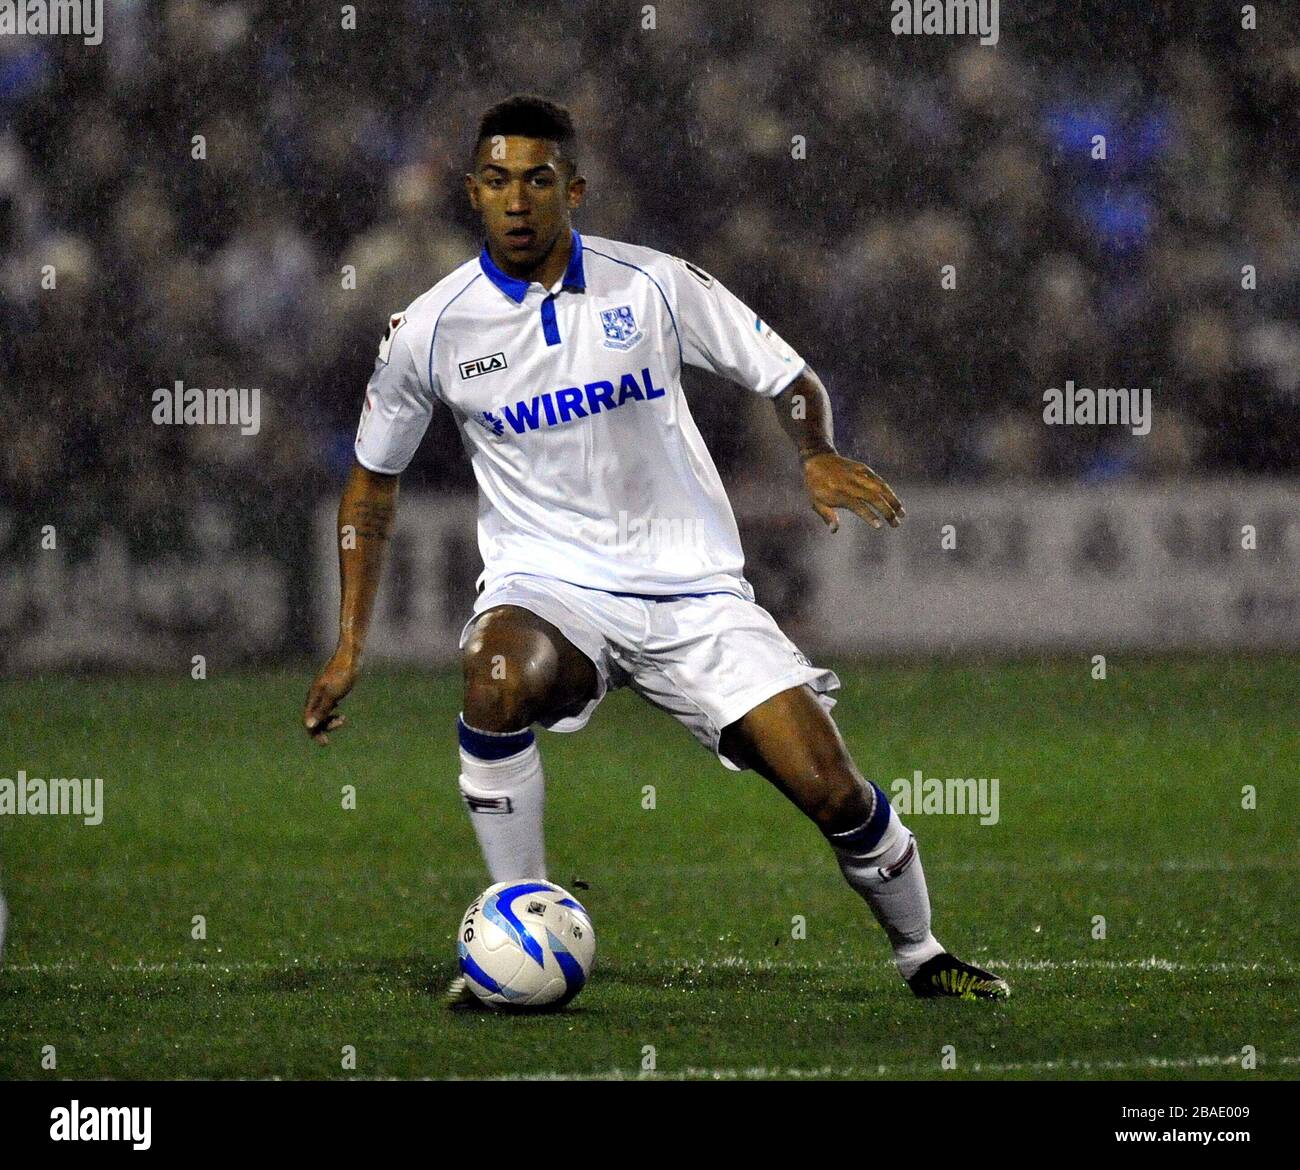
(508, 681)
(498, 698)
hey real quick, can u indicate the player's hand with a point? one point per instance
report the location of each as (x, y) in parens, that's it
(333, 683)
(835, 482)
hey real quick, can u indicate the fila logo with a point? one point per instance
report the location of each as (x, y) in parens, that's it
(889, 872)
(497, 805)
(483, 365)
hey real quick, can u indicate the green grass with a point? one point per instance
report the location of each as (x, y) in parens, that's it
(328, 927)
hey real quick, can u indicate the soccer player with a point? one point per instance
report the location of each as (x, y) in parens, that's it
(611, 555)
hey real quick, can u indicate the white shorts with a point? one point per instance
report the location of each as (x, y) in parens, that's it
(706, 659)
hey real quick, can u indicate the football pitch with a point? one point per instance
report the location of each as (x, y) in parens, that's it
(728, 944)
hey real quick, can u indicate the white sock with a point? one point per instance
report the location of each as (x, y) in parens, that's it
(504, 798)
(889, 876)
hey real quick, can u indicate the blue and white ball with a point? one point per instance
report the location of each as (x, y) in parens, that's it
(526, 944)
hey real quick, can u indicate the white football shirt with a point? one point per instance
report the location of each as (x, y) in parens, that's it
(569, 401)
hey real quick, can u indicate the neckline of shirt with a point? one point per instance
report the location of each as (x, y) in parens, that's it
(574, 277)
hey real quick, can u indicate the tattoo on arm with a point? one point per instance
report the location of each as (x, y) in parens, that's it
(373, 518)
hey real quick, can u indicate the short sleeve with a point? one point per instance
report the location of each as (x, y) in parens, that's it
(398, 404)
(720, 333)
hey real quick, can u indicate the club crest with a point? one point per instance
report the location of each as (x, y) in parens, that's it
(620, 328)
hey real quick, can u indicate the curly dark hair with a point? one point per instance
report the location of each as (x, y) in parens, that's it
(530, 116)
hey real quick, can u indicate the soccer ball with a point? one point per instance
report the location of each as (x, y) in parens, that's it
(526, 944)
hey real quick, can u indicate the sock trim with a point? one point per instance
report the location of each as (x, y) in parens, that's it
(492, 745)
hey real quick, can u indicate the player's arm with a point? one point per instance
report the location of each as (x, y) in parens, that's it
(366, 512)
(804, 411)
(720, 333)
(398, 405)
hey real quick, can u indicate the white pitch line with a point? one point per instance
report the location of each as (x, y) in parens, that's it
(1153, 963)
(1151, 1063)
(986, 865)
(64, 967)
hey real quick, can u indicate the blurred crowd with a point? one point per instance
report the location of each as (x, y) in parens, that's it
(329, 194)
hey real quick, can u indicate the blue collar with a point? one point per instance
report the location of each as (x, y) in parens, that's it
(574, 276)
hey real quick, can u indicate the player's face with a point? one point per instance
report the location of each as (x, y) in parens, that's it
(524, 193)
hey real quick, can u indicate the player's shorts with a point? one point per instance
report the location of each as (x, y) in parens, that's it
(706, 659)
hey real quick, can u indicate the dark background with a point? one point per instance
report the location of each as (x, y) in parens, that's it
(328, 147)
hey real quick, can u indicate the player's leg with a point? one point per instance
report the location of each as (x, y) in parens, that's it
(518, 669)
(791, 740)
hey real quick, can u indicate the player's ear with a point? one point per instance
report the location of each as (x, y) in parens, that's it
(577, 191)
(471, 189)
